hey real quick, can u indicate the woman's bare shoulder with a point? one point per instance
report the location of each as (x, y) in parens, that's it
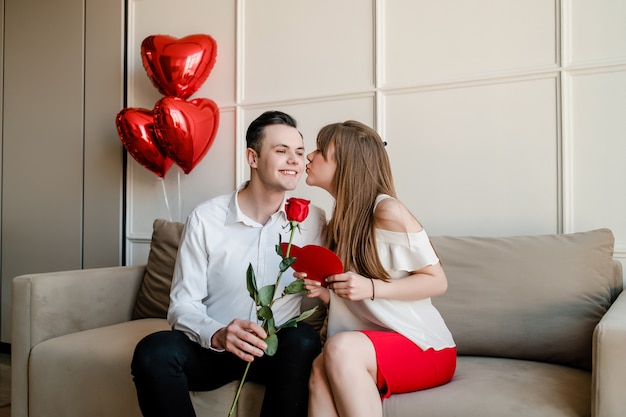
(392, 215)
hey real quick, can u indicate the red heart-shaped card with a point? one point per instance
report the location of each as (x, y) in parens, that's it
(317, 261)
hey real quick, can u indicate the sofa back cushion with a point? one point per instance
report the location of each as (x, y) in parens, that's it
(527, 297)
(153, 298)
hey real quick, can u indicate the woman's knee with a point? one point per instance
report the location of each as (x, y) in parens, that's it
(349, 352)
(338, 347)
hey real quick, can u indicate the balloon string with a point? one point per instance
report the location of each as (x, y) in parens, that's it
(167, 203)
(180, 202)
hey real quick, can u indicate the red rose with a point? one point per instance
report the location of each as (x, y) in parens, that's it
(297, 209)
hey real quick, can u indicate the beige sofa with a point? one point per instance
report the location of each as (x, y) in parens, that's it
(539, 322)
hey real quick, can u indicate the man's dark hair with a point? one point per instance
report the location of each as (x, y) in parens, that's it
(256, 130)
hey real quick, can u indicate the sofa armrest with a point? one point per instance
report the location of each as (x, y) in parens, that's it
(609, 362)
(48, 305)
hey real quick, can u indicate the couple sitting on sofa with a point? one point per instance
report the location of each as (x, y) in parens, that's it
(216, 334)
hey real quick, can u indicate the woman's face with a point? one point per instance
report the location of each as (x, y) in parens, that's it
(321, 171)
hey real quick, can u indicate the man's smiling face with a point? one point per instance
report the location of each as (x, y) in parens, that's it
(281, 160)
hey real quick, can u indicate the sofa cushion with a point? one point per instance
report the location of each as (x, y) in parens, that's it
(153, 298)
(527, 297)
(496, 387)
(107, 352)
(96, 363)
(219, 401)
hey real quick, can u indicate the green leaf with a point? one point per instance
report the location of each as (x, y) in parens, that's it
(266, 294)
(289, 323)
(306, 314)
(279, 248)
(293, 322)
(270, 326)
(272, 344)
(265, 313)
(286, 263)
(251, 283)
(295, 287)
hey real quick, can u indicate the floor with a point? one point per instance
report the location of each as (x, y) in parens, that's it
(5, 385)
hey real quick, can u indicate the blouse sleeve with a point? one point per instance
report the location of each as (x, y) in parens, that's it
(405, 251)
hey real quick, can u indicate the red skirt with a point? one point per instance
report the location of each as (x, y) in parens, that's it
(405, 367)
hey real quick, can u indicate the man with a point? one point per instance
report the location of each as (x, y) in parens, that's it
(215, 329)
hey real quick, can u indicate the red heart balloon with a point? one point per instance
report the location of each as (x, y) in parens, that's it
(317, 261)
(136, 129)
(185, 130)
(178, 67)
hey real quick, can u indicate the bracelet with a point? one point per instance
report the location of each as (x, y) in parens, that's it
(373, 289)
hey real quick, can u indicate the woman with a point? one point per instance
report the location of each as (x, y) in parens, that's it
(384, 334)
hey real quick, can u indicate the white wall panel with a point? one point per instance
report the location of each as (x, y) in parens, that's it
(138, 252)
(293, 49)
(311, 117)
(595, 30)
(596, 153)
(468, 94)
(477, 160)
(425, 41)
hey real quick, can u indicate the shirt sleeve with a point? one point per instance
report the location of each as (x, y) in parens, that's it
(187, 312)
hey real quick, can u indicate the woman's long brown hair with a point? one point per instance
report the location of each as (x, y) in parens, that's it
(363, 173)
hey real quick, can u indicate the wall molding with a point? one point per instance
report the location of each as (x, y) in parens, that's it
(596, 67)
(477, 81)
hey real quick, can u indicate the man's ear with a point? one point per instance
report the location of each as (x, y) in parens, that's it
(251, 155)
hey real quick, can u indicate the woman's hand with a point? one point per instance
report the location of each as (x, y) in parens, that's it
(351, 286)
(313, 288)
(429, 281)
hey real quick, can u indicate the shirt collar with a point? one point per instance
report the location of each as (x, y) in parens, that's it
(235, 214)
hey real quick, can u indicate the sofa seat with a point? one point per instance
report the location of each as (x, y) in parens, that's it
(496, 387)
(483, 386)
(94, 361)
(98, 359)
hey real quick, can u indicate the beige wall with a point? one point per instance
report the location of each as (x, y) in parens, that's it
(61, 157)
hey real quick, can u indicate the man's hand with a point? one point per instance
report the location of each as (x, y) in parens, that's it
(242, 338)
